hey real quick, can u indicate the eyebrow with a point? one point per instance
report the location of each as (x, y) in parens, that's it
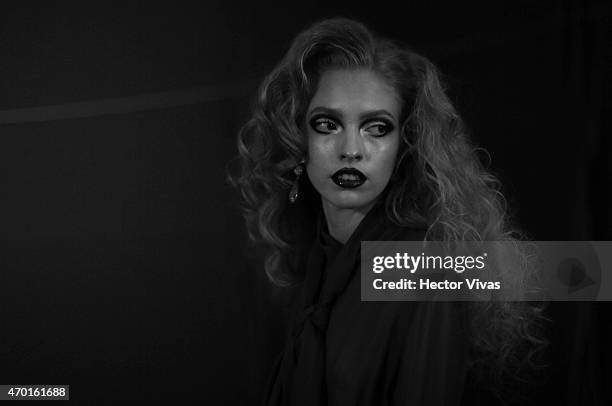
(338, 112)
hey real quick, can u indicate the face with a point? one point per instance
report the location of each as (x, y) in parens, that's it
(353, 138)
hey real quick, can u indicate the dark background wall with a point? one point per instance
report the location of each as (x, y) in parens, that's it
(122, 265)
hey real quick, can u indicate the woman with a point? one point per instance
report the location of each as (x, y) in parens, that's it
(352, 138)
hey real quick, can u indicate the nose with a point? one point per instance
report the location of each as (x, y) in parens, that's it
(351, 147)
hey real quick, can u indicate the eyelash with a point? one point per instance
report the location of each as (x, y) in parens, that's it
(320, 120)
(388, 127)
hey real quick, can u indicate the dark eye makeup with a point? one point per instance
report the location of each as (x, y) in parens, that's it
(375, 127)
(378, 127)
(323, 124)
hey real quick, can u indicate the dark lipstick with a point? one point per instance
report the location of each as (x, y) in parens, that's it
(349, 178)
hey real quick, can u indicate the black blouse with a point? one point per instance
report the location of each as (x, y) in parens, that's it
(342, 351)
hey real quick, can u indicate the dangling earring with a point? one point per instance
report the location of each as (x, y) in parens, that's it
(295, 189)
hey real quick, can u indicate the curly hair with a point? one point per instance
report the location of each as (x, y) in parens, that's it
(438, 183)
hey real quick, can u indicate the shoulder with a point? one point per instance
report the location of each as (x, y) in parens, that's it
(391, 230)
(395, 232)
(412, 234)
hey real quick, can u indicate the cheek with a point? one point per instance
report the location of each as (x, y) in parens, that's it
(387, 156)
(318, 152)
(315, 162)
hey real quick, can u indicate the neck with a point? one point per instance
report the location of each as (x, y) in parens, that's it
(341, 223)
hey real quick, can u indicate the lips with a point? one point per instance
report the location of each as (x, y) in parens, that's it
(349, 178)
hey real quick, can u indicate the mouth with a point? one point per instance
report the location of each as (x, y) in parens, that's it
(349, 178)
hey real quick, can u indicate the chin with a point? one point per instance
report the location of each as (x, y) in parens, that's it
(351, 199)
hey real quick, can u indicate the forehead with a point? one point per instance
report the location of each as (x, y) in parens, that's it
(354, 90)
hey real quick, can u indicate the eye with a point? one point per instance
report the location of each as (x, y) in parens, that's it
(324, 125)
(378, 128)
